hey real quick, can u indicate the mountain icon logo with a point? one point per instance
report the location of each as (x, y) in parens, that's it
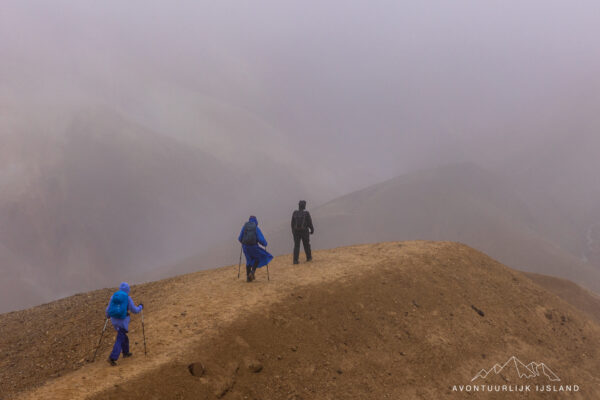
(531, 370)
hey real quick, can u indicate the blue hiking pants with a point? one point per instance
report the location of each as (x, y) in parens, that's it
(121, 344)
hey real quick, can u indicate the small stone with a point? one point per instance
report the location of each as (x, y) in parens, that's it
(478, 311)
(197, 369)
(224, 387)
(254, 366)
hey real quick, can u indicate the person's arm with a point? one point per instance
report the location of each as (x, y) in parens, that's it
(241, 235)
(292, 224)
(133, 308)
(260, 237)
(309, 223)
(108, 306)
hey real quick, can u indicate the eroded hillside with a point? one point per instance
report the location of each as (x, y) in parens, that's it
(392, 320)
(461, 203)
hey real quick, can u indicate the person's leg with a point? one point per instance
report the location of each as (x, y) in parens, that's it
(125, 345)
(296, 246)
(248, 273)
(306, 243)
(254, 269)
(116, 351)
(248, 264)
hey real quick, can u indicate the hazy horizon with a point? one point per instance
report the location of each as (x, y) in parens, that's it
(268, 102)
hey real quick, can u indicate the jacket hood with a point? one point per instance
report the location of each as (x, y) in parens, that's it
(253, 219)
(302, 204)
(124, 287)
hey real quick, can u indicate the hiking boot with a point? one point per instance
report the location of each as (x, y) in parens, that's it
(125, 355)
(295, 262)
(309, 259)
(252, 277)
(112, 362)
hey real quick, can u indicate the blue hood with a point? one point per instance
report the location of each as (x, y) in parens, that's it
(124, 287)
(253, 219)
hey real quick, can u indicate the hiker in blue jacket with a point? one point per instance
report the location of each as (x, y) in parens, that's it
(118, 309)
(250, 238)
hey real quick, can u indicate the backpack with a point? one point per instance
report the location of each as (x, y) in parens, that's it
(118, 305)
(299, 218)
(250, 238)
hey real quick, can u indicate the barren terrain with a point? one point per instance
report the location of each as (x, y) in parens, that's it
(393, 320)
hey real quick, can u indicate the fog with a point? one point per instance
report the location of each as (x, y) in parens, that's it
(292, 100)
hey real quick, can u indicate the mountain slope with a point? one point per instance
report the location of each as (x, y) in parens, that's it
(18, 287)
(560, 176)
(87, 203)
(462, 203)
(578, 297)
(399, 320)
(87, 194)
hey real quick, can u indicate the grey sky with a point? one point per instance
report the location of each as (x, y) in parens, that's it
(365, 90)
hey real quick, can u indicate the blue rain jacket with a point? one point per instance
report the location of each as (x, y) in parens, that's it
(123, 323)
(256, 253)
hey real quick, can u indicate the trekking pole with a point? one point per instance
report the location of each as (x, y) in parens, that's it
(144, 333)
(240, 262)
(100, 341)
(268, 276)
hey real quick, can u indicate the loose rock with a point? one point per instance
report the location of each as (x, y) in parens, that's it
(254, 365)
(477, 310)
(197, 369)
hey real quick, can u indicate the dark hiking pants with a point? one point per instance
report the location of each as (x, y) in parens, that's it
(251, 269)
(121, 344)
(304, 236)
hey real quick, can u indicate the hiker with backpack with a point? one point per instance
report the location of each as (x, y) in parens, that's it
(256, 257)
(118, 309)
(302, 228)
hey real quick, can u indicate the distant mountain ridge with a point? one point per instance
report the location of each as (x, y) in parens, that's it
(560, 177)
(92, 197)
(461, 202)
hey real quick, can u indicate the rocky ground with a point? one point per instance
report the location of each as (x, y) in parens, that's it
(408, 320)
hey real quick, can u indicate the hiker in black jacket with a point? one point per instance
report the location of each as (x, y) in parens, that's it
(302, 228)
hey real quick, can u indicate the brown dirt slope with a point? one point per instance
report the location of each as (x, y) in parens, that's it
(460, 203)
(391, 320)
(580, 298)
